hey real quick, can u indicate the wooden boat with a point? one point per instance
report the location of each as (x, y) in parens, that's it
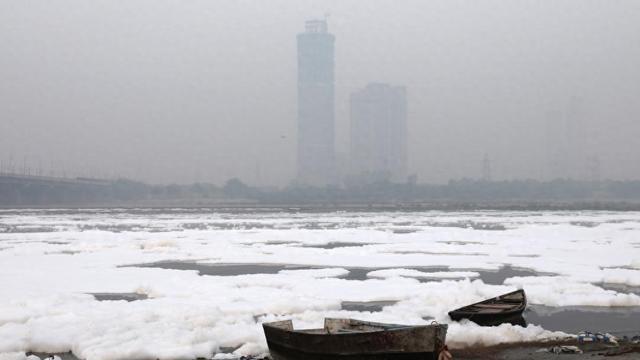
(354, 340)
(502, 309)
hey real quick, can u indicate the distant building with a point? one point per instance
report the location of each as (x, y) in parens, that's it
(379, 133)
(566, 142)
(316, 128)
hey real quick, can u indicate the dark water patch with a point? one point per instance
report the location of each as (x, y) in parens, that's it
(337, 244)
(490, 277)
(195, 226)
(321, 226)
(355, 273)
(241, 226)
(620, 221)
(229, 349)
(358, 274)
(438, 253)
(457, 242)
(404, 231)
(525, 255)
(248, 225)
(63, 252)
(275, 242)
(366, 306)
(57, 242)
(26, 229)
(498, 277)
(225, 269)
(587, 224)
(518, 320)
(621, 288)
(469, 225)
(118, 228)
(618, 321)
(129, 297)
(626, 267)
(279, 242)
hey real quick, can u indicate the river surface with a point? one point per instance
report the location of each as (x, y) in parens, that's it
(188, 283)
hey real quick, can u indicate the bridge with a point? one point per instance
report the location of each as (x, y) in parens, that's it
(35, 190)
(50, 180)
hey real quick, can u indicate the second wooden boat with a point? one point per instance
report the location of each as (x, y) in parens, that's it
(498, 310)
(354, 340)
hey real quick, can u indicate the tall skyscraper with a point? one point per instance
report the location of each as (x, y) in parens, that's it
(316, 127)
(566, 142)
(379, 133)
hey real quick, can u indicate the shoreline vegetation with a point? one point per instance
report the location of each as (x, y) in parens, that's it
(465, 194)
(221, 206)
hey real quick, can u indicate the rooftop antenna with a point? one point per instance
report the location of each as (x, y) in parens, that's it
(316, 26)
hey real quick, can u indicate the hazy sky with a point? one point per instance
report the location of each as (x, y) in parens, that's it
(182, 91)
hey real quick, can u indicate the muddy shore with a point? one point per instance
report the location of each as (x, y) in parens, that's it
(540, 351)
(533, 351)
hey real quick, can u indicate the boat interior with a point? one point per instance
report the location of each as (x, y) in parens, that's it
(339, 326)
(497, 305)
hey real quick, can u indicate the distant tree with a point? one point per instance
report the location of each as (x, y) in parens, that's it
(124, 189)
(235, 188)
(174, 190)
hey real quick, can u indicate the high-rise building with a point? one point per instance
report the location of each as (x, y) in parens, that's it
(566, 142)
(316, 128)
(379, 133)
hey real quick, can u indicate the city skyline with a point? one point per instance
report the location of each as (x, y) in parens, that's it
(207, 92)
(316, 163)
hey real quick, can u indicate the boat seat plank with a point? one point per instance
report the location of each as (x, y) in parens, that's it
(494, 306)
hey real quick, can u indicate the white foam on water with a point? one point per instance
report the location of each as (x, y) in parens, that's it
(46, 277)
(19, 355)
(468, 334)
(563, 291)
(316, 273)
(412, 273)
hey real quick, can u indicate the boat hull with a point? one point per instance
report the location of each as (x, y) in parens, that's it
(406, 343)
(278, 353)
(507, 308)
(489, 320)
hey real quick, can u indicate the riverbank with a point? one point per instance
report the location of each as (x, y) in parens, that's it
(533, 351)
(542, 351)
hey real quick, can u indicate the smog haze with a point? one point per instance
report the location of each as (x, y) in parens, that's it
(204, 91)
